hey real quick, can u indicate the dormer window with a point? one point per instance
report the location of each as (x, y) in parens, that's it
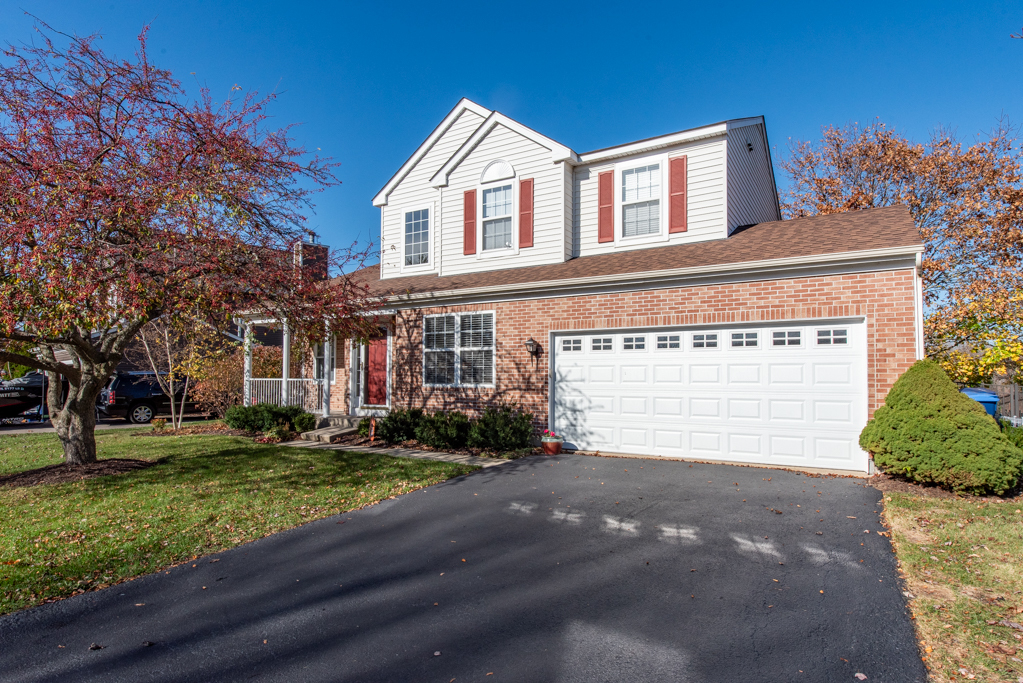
(497, 218)
(641, 200)
(417, 237)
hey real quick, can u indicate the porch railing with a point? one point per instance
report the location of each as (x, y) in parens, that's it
(307, 393)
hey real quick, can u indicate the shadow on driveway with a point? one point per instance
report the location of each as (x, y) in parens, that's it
(575, 568)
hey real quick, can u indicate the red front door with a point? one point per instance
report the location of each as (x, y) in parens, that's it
(376, 372)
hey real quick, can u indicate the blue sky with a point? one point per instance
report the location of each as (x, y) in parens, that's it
(368, 81)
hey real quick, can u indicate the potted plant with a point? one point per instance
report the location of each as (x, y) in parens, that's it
(551, 442)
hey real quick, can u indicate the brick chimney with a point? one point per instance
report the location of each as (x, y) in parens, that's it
(312, 257)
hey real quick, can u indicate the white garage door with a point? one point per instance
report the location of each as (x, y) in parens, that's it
(793, 395)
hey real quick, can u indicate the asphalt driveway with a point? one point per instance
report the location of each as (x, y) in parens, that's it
(575, 568)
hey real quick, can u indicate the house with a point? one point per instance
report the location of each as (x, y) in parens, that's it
(645, 298)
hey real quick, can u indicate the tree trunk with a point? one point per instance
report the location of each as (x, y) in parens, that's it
(74, 418)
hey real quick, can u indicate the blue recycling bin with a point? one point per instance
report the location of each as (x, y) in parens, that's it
(988, 399)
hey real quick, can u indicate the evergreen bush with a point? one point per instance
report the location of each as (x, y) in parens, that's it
(930, 433)
(444, 430)
(501, 428)
(399, 425)
(265, 416)
(304, 422)
(363, 427)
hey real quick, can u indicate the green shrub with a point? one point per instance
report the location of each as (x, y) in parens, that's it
(399, 425)
(1013, 434)
(930, 433)
(444, 430)
(304, 422)
(363, 427)
(501, 428)
(265, 416)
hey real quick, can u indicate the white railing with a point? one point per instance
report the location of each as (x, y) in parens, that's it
(307, 393)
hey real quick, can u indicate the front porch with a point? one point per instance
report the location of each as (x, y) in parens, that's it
(341, 378)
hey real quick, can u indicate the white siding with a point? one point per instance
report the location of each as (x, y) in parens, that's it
(751, 195)
(530, 160)
(706, 162)
(415, 192)
(568, 176)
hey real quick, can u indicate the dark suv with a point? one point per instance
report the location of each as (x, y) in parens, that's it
(136, 397)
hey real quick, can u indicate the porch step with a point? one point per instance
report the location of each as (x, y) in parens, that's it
(338, 421)
(327, 434)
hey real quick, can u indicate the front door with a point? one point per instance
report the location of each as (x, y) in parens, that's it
(376, 372)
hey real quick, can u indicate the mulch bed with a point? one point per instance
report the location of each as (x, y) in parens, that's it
(364, 442)
(216, 429)
(61, 474)
(886, 483)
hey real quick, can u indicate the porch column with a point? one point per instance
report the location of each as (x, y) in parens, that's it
(247, 367)
(285, 364)
(328, 372)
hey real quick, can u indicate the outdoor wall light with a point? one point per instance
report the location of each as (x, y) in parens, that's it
(532, 347)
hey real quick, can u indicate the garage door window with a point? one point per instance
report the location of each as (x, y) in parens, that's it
(786, 338)
(667, 341)
(634, 343)
(571, 344)
(828, 337)
(744, 338)
(705, 341)
(603, 344)
(458, 349)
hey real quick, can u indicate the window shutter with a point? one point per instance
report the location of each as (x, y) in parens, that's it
(469, 223)
(606, 207)
(526, 213)
(677, 205)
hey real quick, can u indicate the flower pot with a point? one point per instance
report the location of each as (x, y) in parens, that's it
(551, 446)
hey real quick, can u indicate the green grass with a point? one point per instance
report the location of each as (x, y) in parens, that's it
(963, 564)
(205, 494)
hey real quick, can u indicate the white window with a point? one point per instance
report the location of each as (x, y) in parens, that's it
(786, 338)
(634, 343)
(667, 341)
(744, 338)
(458, 349)
(603, 344)
(832, 336)
(323, 358)
(641, 200)
(497, 218)
(571, 344)
(417, 237)
(705, 340)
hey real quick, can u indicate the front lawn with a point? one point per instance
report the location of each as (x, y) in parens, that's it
(963, 562)
(204, 494)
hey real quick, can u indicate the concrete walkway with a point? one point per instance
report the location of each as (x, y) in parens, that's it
(401, 453)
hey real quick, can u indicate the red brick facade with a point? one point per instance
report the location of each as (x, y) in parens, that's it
(885, 299)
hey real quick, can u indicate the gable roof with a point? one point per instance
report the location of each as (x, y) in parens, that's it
(463, 104)
(856, 236)
(559, 152)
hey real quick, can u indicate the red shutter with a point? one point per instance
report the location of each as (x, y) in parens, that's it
(677, 206)
(469, 223)
(605, 207)
(526, 213)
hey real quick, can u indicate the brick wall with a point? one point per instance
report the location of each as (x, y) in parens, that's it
(885, 299)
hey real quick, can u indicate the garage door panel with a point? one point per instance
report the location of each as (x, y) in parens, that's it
(798, 404)
(705, 374)
(668, 374)
(744, 409)
(704, 407)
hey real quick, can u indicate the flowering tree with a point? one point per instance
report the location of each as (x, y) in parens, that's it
(967, 202)
(123, 201)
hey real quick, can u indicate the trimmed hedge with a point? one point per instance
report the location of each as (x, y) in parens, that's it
(263, 417)
(399, 425)
(501, 428)
(930, 433)
(444, 430)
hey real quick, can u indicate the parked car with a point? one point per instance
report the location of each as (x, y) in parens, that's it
(137, 397)
(24, 396)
